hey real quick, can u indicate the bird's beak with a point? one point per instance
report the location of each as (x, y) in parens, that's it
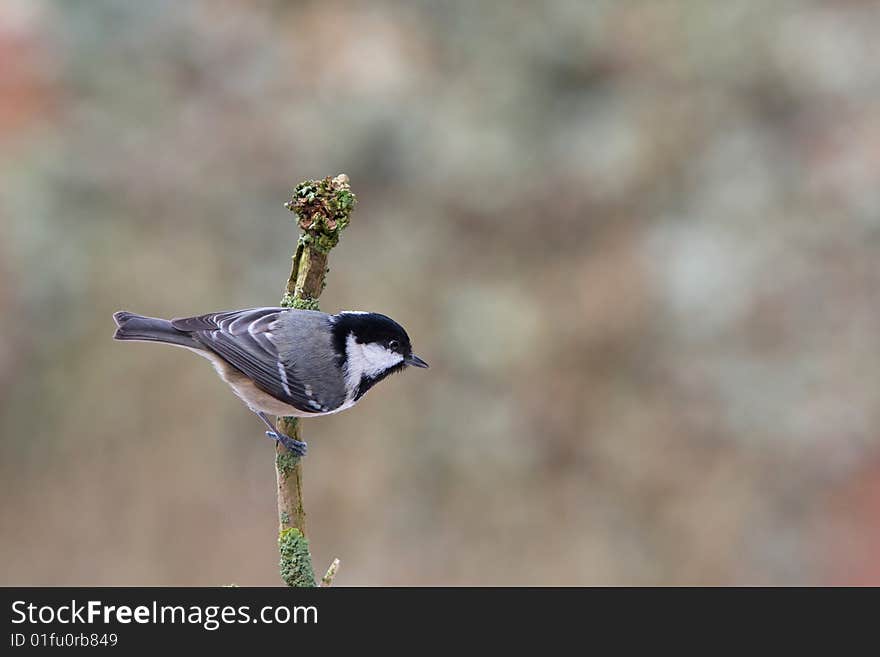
(415, 361)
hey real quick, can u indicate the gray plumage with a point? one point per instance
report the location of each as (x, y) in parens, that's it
(287, 362)
(285, 354)
(150, 329)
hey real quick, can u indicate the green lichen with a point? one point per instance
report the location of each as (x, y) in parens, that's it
(305, 304)
(324, 242)
(285, 518)
(288, 300)
(296, 561)
(345, 201)
(323, 209)
(285, 462)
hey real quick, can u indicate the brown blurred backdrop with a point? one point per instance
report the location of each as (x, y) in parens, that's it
(637, 242)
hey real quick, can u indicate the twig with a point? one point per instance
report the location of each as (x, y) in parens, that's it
(323, 209)
(327, 580)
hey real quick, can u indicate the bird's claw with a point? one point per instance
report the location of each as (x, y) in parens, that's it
(296, 447)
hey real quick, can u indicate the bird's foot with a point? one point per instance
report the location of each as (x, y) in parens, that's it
(296, 447)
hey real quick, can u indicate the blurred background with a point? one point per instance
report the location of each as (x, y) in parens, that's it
(637, 242)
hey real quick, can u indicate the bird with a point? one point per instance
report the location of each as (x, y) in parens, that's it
(285, 361)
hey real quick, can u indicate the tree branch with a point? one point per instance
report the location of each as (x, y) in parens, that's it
(323, 209)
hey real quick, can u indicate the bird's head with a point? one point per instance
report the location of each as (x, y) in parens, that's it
(370, 347)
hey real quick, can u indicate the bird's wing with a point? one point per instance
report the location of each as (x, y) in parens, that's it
(243, 338)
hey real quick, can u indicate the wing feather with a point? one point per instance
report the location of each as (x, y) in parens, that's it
(243, 338)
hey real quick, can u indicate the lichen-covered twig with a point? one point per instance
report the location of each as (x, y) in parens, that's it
(323, 209)
(296, 562)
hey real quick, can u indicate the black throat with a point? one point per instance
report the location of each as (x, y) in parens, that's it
(368, 382)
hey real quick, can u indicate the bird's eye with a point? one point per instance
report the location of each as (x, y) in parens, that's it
(393, 345)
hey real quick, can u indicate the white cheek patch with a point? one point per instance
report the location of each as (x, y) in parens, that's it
(367, 360)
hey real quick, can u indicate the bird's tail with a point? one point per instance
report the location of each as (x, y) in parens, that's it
(150, 329)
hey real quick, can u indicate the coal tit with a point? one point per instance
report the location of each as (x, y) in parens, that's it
(286, 362)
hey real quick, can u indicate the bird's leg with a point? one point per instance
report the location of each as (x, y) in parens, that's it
(297, 447)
